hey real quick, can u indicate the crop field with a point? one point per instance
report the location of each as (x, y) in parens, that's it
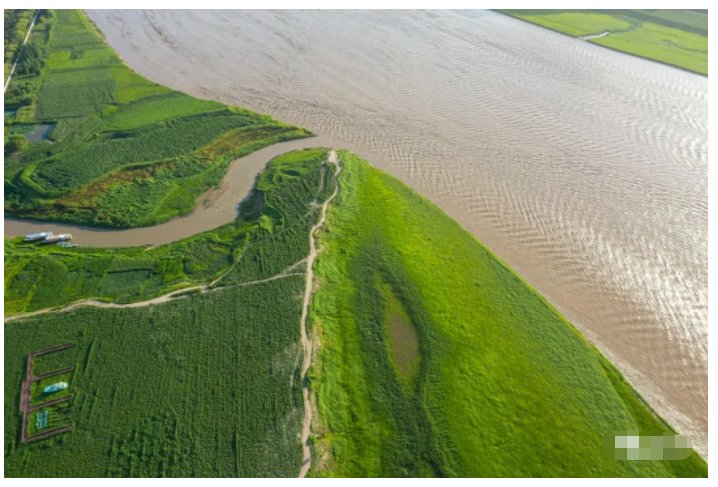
(675, 37)
(271, 236)
(108, 122)
(206, 384)
(503, 385)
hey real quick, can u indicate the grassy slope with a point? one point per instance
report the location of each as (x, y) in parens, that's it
(677, 38)
(205, 385)
(123, 151)
(506, 386)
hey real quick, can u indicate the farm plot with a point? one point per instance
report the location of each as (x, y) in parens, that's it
(202, 386)
(270, 236)
(212, 377)
(110, 122)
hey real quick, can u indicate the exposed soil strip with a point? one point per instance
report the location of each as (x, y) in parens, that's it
(25, 396)
(203, 288)
(307, 344)
(19, 51)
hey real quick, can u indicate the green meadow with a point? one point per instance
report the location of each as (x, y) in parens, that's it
(492, 381)
(675, 37)
(121, 151)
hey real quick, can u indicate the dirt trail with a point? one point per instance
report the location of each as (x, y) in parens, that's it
(307, 344)
(19, 51)
(202, 288)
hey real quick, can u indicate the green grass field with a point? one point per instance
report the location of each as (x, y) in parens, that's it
(675, 37)
(204, 385)
(505, 386)
(122, 151)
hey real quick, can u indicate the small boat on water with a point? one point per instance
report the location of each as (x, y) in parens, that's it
(32, 237)
(63, 237)
(67, 245)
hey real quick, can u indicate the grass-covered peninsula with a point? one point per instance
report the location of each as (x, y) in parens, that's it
(675, 37)
(88, 140)
(437, 359)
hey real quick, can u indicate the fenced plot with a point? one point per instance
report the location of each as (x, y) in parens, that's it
(36, 417)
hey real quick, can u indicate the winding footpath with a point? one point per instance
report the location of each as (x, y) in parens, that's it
(202, 288)
(307, 344)
(306, 341)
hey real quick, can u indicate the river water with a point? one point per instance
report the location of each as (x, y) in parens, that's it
(585, 169)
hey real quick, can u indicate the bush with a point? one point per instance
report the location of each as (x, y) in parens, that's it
(15, 143)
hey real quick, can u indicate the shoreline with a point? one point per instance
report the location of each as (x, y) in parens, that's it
(225, 199)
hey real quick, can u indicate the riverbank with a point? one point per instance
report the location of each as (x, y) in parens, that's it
(216, 207)
(607, 220)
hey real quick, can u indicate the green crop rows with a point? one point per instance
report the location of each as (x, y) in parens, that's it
(122, 151)
(435, 358)
(204, 385)
(270, 236)
(675, 37)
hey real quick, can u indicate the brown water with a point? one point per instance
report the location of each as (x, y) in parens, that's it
(584, 168)
(215, 208)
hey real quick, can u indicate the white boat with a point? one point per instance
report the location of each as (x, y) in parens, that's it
(31, 237)
(63, 237)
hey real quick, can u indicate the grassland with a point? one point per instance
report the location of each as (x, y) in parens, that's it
(675, 37)
(206, 384)
(504, 387)
(122, 151)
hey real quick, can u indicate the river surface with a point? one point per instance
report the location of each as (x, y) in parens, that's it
(584, 168)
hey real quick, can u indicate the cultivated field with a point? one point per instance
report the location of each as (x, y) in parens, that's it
(120, 151)
(675, 37)
(205, 384)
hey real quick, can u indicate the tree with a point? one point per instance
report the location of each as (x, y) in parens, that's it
(15, 143)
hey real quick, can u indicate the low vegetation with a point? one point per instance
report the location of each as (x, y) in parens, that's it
(435, 358)
(675, 37)
(204, 385)
(122, 151)
(504, 385)
(269, 237)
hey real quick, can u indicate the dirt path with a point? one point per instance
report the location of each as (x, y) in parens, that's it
(307, 344)
(202, 288)
(19, 51)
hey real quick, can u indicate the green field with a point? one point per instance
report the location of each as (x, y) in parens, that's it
(204, 385)
(433, 353)
(675, 37)
(505, 385)
(121, 151)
